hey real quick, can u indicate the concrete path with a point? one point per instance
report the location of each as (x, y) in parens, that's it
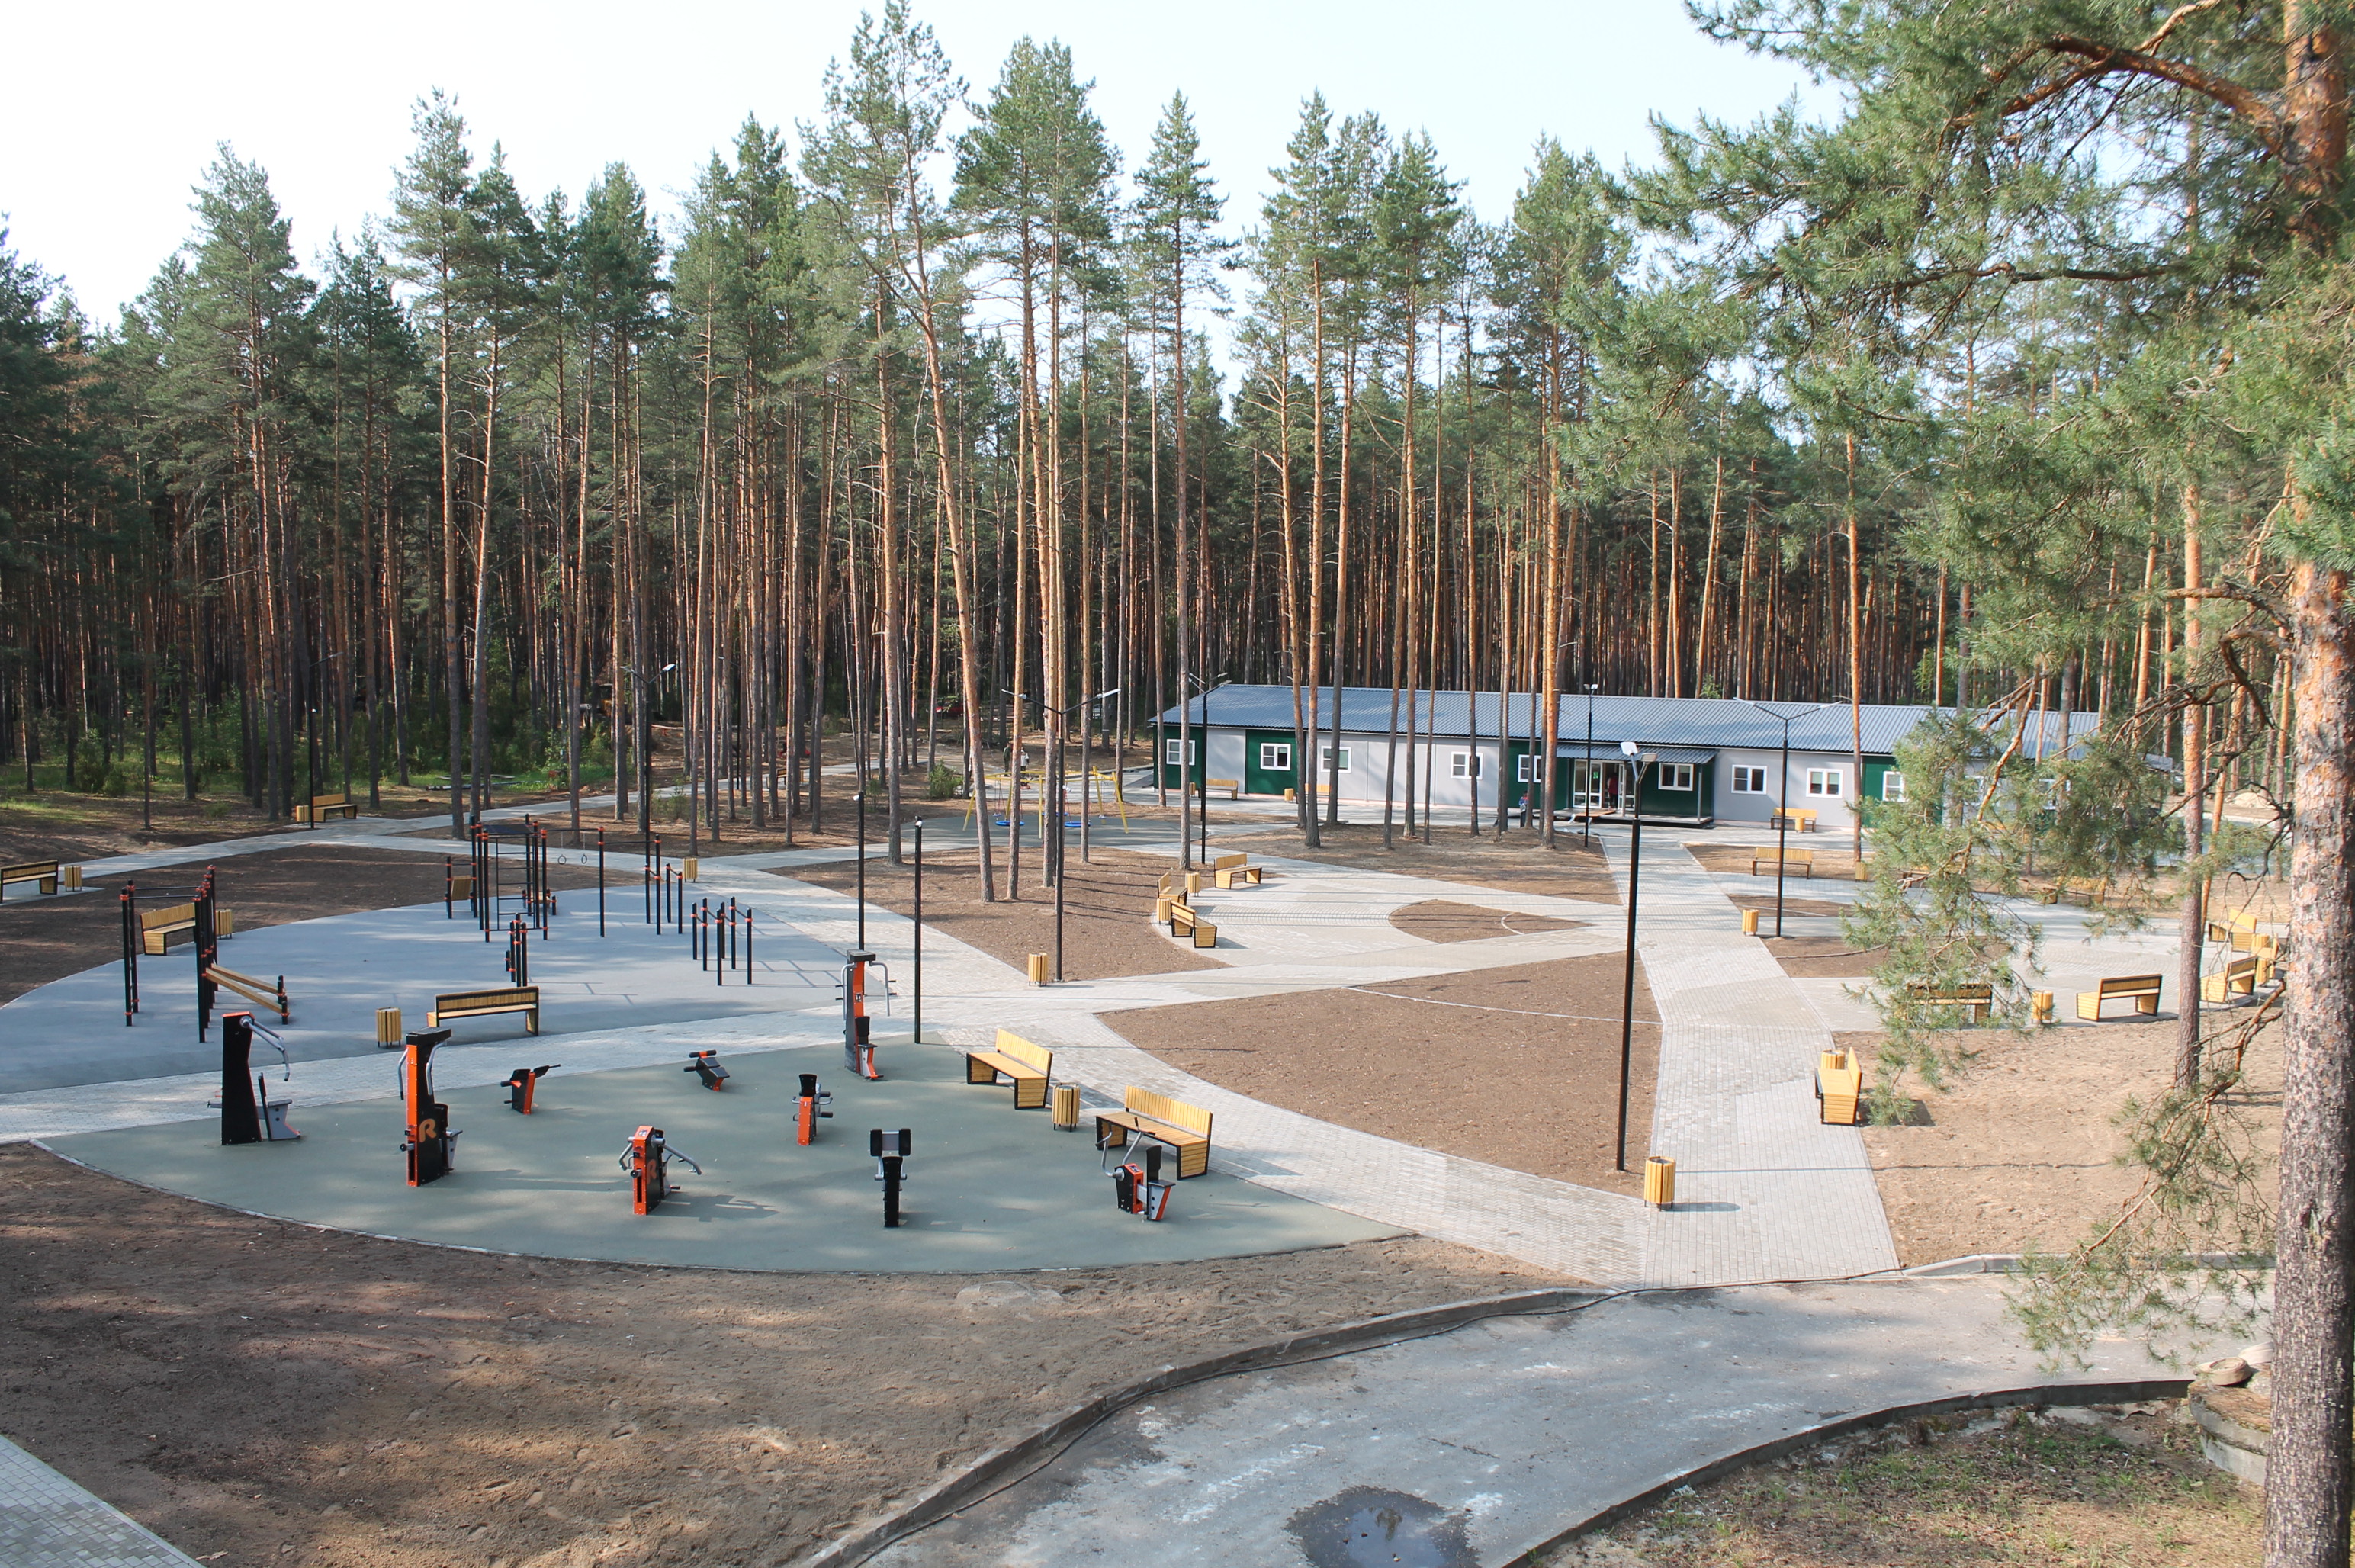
(1472, 1446)
(46, 1521)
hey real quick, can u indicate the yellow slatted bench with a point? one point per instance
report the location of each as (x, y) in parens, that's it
(1016, 1058)
(1840, 1089)
(1977, 997)
(523, 999)
(158, 927)
(1232, 870)
(2141, 989)
(1184, 1127)
(2240, 930)
(322, 805)
(261, 993)
(1183, 919)
(1801, 821)
(1803, 860)
(42, 873)
(2238, 978)
(1234, 787)
(1179, 885)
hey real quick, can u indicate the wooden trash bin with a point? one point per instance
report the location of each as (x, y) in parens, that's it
(1750, 922)
(1660, 1181)
(687, 869)
(2040, 1005)
(388, 1027)
(1064, 1101)
(1039, 967)
(72, 879)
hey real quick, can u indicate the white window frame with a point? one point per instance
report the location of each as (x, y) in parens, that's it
(1463, 765)
(1826, 784)
(1756, 776)
(1325, 759)
(1285, 747)
(1893, 788)
(1532, 769)
(1170, 748)
(1678, 776)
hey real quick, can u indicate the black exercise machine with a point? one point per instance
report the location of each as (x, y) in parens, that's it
(890, 1151)
(249, 1115)
(705, 1064)
(814, 1101)
(523, 1083)
(431, 1145)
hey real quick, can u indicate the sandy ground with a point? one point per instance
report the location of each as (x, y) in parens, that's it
(1823, 957)
(292, 1396)
(2020, 1148)
(1522, 1071)
(46, 939)
(1830, 864)
(1108, 926)
(1438, 919)
(1518, 861)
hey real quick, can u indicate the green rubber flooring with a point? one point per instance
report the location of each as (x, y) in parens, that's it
(989, 1187)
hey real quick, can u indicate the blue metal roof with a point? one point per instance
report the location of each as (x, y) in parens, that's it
(1704, 722)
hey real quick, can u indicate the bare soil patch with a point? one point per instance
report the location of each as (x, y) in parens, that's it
(1733, 861)
(1521, 1070)
(46, 939)
(2076, 1488)
(287, 1395)
(1824, 957)
(1438, 919)
(1793, 903)
(2022, 1147)
(1108, 926)
(1518, 861)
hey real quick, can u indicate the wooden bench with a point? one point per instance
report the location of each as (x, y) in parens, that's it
(1800, 821)
(1185, 1128)
(2240, 930)
(1232, 870)
(261, 993)
(1233, 787)
(1840, 1089)
(44, 873)
(1182, 917)
(1017, 1059)
(2238, 978)
(1977, 997)
(1801, 861)
(1178, 885)
(327, 805)
(523, 999)
(2141, 989)
(158, 926)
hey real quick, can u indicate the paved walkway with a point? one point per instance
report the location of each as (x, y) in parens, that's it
(1477, 1444)
(46, 1521)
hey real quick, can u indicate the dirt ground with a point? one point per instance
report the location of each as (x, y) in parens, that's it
(1829, 864)
(1438, 919)
(1823, 957)
(1516, 862)
(2020, 1147)
(45, 939)
(2102, 1487)
(1518, 1067)
(284, 1395)
(1108, 926)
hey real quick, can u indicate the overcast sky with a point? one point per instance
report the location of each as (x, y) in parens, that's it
(118, 107)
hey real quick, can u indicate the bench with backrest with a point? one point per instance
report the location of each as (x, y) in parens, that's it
(1840, 1088)
(158, 927)
(523, 999)
(324, 806)
(2237, 978)
(1184, 921)
(1234, 787)
(1978, 998)
(1143, 1114)
(2140, 989)
(1800, 820)
(1230, 871)
(1801, 861)
(1013, 1057)
(43, 873)
(1179, 884)
(2240, 930)
(261, 993)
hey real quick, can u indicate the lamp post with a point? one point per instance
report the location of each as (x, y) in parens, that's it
(1586, 781)
(645, 741)
(1059, 794)
(1627, 991)
(1185, 836)
(1782, 796)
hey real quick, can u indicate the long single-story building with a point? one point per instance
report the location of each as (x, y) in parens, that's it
(1715, 758)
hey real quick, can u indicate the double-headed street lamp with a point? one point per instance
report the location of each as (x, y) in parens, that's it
(1642, 759)
(645, 742)
(1783, 798)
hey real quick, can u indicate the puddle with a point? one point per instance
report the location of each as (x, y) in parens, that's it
(1368, 1527)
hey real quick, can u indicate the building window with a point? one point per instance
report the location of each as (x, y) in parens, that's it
(1749, 781)
(1531, 768)
(1173, 749)
(1826, 782)
(1325, 759)
(1677, 776)
(1275, 756)
(1893, 785)
(1463, 765)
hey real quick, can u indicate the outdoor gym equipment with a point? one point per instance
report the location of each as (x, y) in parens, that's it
(431, 1142)
(518, 952)
(890, 1151)
(1139, 1188)
(858, 1046)
(814, 1101)
(523, 1083)
(249, 1115)
(647, 1160)
(705, 1064)
(507, 876)
(208, 946)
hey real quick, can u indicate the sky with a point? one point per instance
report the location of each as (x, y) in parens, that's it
(133, 97)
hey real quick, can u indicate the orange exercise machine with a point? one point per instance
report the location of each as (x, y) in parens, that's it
(431, 1142)
(647, 1160)
(857, 1044)
(705, 1064)
(814, 1101)
(522, 1083)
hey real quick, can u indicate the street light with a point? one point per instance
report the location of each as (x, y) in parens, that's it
(1057, 797)
(1627, 992)
(645, 741)
(1185, 834)
(1783, 806)
(1586, 783)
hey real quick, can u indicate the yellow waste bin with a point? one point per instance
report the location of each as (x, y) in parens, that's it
(1039, 967)
(1750, 922)
(2041, 1004)
(387, 1026)
(1660, 1181)
(1066, 1099)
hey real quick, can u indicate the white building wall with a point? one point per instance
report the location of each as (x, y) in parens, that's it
(1830, 811)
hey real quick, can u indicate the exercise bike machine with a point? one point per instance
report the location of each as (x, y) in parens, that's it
(858, 1043)
(1139, 1188)
(814, 1101)
(647, 1160)
(431, 1144)
(249, 1115)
